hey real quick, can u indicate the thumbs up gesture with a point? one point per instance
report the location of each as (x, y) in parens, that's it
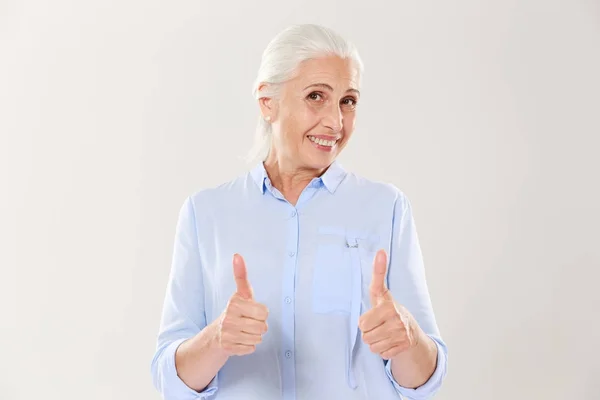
(243, 322)
(388, 328)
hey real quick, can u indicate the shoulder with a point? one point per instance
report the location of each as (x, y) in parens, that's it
(378, 190)
(225, 195)
(223, 192)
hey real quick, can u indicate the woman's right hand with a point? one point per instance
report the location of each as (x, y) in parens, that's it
(243, 322)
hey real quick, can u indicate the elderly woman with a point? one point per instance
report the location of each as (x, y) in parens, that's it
(299, 280)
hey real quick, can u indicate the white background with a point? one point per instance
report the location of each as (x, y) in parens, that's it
(486, 114)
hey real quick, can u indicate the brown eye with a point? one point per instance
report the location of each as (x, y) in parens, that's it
(349, 102)
(315, 96)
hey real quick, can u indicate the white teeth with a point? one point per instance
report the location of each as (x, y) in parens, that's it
(322, 142)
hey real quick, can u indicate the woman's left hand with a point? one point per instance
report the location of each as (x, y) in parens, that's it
(388, 328)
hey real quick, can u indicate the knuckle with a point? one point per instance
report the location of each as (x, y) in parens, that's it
(262, 312)
(252, 329)
(226, 337)
(227, 323)
(225, 345)
(401, 330)
(232, 307)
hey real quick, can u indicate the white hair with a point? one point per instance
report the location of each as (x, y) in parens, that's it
(282, 56)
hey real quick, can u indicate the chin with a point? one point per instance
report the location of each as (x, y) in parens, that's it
(320, 162)
(319, 157)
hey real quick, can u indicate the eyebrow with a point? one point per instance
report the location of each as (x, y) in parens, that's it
(326, 86)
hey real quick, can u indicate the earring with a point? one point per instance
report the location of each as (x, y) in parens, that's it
(268, 118)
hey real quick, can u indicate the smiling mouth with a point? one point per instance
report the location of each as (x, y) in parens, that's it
(323, 142)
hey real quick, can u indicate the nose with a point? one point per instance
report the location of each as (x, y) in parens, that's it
(333, 118)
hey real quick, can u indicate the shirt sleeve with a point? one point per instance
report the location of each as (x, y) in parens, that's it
(407, 283)
(183, 313)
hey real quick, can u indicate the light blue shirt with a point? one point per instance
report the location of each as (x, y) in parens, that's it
(311, 265)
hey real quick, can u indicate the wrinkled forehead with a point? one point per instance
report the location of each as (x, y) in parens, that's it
(339, 74)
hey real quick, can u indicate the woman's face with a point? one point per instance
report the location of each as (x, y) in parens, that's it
(313, 118)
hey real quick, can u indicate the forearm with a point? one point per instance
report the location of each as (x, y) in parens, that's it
(413, 367)
(198, 359)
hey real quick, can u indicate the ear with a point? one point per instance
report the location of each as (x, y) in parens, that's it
(268, 106)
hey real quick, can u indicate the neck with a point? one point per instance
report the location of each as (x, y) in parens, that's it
(289, 179)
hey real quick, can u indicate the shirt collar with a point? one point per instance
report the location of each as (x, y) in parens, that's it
(259, 175)
(331, 179)
(334, 175)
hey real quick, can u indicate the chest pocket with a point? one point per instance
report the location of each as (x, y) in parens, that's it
(342, 266)
(343, 259)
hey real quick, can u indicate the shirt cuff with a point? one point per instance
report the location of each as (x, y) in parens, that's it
(429, 388)
(170, 384)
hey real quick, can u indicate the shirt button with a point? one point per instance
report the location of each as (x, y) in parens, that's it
(288, 300)
(292, 254)
(288, 354)
(294, 213)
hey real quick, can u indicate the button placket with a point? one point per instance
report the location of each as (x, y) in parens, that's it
(288, 317)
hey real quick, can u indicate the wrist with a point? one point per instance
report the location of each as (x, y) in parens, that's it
(420, 337)
(212, 341)
(420, 344)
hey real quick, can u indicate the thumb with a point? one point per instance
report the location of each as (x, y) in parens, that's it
(378, 289)
(241, 277)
